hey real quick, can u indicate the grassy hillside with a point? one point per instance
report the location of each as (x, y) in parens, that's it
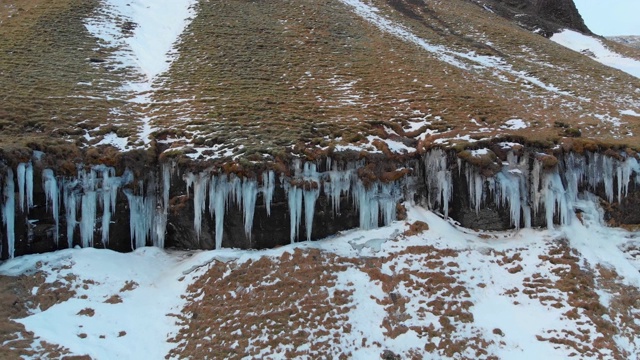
(263, 79)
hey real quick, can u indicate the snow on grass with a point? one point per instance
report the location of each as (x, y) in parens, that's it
(144, 31)
(148, 281)
(142, 34)
(515, 124)
(594, 48)
(455, 58)
(411, 293)
(629, 112)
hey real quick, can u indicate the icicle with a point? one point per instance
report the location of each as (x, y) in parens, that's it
(310, 197)
(387, 202)
(536, 192)
(160, 223)
(294, 196)
(249, 197)
(110, 185)
(438, 179)
(339, 183)
(89, 208)
(29, 185)
(268, 187)
(574, 170)
(367, 205)
(51, 192)
(158, 233)
(218, 197)
(71, 207)
(555, 199)
(235, 190)
(510, 187)
(311, 193)
(629, 166)
(141, 217)
(476, 187)
(8, 212)
(24, 173)
(199, 183)
(21, 175)
(509, 192)
(607, 172)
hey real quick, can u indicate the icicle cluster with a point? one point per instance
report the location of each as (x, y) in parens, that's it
(9, 212)
(51, 192)
(526, 188)
(84, 195)
(438, 180)
(24, 173)
(376, 203)
(148, 210)
(222, 190)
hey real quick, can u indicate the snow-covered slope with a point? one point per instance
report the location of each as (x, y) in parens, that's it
(594, 48)
(422, 287)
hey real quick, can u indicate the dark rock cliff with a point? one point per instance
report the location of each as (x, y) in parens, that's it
(477, 188)
(543, 16)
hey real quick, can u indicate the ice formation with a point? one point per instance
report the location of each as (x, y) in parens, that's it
(223, 189)
(294, 200)
(376, 202)
(438, 180)
(89, 207)
(24, 173)
(522, 186)
(51, 192)
(526, 188)
(370, 200)
(92, 188)
(249, 196)
(268, 187)
(71, 207)
(141, 217)
(148, 210)
(8, 212)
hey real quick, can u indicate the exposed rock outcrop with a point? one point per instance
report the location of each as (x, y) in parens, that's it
(495, 187)
(543, 16)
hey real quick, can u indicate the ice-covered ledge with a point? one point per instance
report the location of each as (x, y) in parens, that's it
(174, 205)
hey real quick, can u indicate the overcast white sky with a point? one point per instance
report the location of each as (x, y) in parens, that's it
(611, 17)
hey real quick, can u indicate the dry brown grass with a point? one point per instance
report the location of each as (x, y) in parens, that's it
(86, 312)
(273, 302)
(44, 62)
(435, 280)
(114, 299)
(16, 298)
(129, 285)
(307, 74)
(577, 285)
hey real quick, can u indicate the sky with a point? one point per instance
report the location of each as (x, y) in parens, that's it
(611, 17)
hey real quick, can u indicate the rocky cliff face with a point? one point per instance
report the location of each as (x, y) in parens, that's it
(543, 16)
(494, 187)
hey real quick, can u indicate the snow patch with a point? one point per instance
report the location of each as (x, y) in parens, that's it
(595, 49)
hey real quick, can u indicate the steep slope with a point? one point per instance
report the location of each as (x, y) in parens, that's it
(313, 74)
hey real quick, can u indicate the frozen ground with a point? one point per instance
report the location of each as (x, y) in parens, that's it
(526, 294)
